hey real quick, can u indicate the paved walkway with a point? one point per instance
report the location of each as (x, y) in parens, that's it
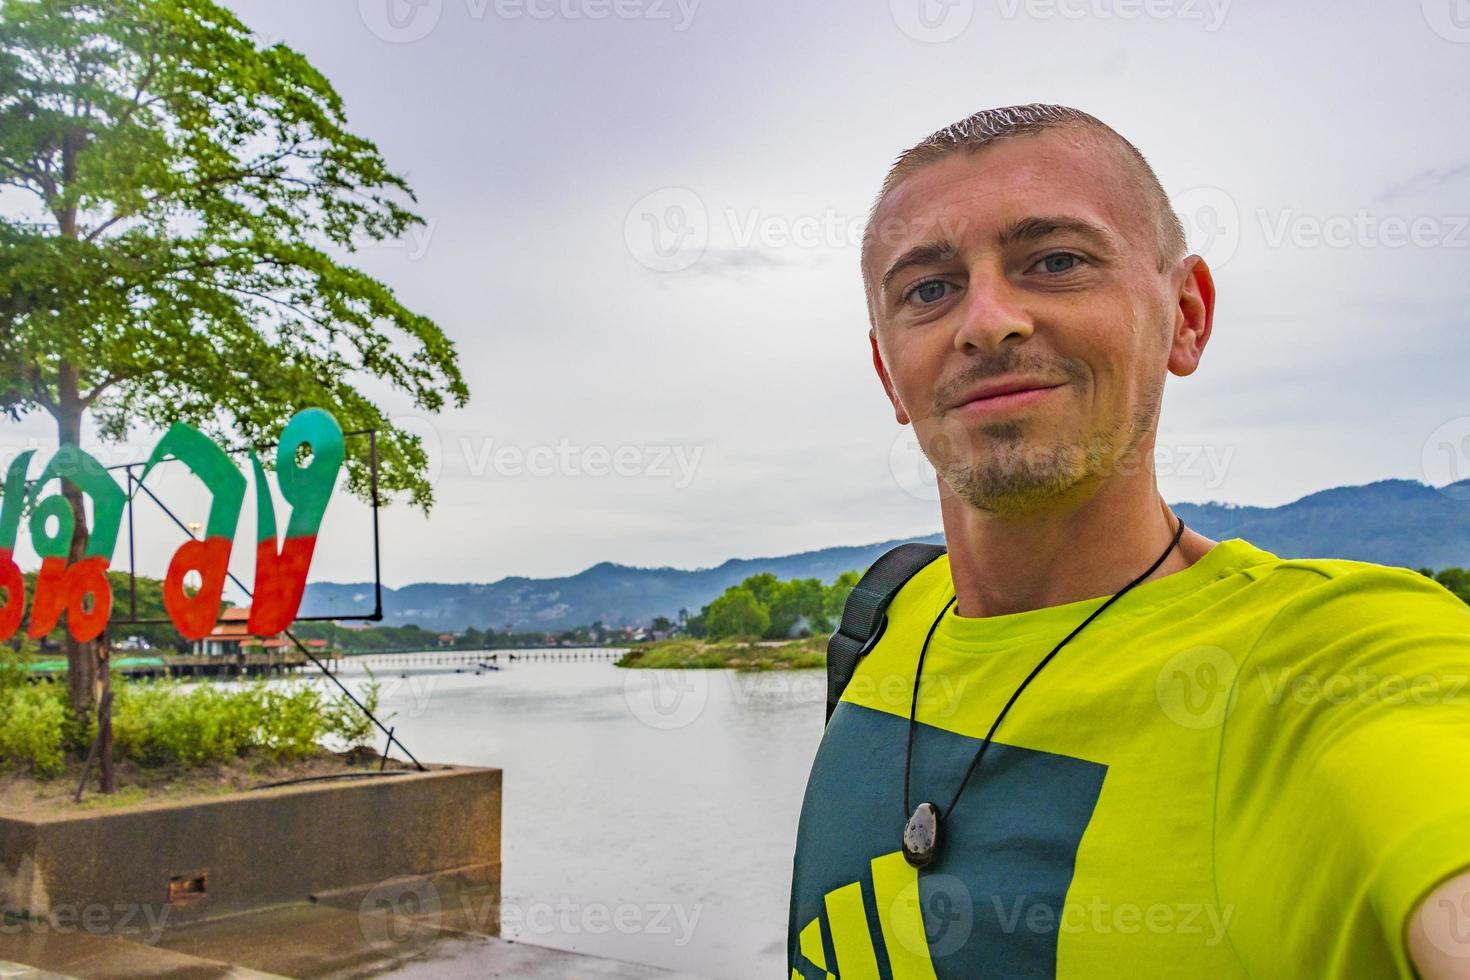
(309, 940)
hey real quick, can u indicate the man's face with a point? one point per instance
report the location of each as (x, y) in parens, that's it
(1034, 260)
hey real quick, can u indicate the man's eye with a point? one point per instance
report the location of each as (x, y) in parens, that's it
(930, 291)
(1059, 262)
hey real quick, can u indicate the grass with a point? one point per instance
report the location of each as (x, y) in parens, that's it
(740, 653)
(24, 793)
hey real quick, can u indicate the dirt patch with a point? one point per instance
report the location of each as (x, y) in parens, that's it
(23, 794)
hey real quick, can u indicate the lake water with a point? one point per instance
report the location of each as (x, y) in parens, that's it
(648, 815)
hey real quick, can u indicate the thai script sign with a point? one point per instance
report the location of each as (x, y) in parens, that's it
(280, 568)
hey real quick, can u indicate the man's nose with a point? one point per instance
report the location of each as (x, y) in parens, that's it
(991, 312)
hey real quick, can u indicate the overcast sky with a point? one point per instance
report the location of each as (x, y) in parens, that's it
(643, 219)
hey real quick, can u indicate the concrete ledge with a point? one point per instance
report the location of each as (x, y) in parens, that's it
(145, 868)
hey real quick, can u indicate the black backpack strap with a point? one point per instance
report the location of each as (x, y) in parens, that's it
(865, 615)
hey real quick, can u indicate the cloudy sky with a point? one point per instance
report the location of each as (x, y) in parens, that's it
(642, 230)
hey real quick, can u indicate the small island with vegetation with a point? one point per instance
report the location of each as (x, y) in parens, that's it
(741, 653)
(762, 623)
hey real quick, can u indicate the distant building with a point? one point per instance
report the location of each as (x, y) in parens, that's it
(230, 637)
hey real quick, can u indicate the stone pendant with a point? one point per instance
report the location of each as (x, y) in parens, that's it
(921, 835)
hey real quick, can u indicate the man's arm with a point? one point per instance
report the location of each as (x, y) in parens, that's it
(1439, 932)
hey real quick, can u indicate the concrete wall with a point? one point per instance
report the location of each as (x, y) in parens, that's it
(251, 850)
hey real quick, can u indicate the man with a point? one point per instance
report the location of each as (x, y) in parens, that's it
(1242, 766)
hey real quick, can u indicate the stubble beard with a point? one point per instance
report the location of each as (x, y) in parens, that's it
(998, 467)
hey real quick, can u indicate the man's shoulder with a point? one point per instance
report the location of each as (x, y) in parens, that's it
(1347, 579)
(1322, 599)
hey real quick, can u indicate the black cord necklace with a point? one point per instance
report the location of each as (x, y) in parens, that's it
(921, 832)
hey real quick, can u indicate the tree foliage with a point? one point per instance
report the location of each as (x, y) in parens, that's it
(180, 187)
(184, 185)
(763, 605)
(737, 613)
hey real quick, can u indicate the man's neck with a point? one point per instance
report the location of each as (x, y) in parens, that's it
(1090, 545)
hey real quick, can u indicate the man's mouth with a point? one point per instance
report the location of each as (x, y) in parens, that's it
(1004, 396)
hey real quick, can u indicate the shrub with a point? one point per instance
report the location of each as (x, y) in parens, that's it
(32, 719)
(160, 723)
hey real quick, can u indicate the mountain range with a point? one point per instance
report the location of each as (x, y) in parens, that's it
(1391, 522)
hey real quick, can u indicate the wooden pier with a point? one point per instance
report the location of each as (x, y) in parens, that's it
(473, 658)
(273, 663)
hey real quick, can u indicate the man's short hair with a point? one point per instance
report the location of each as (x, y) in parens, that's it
(989, 126)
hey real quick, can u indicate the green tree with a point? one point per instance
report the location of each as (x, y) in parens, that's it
(836, 598)
(697, 626)
(1457, 580)
(795, 599)
(764, 586)
(737, 613)
(182, 185)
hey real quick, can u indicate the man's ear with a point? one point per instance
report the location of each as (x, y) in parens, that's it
(1193, 317)
(902, 416)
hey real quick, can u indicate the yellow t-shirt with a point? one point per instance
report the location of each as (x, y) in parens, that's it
(1255, 767)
